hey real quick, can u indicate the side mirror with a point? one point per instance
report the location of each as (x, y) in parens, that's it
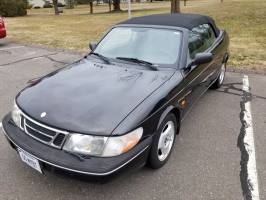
(93, 45)
(202, 58)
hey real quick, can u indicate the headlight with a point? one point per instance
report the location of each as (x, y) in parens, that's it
(85, 144)
(15, 114)
(102, 146)
(122, 144)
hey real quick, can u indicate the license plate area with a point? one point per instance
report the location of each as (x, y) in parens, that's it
(30, 160)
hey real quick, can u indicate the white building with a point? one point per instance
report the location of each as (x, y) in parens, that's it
(40, 3)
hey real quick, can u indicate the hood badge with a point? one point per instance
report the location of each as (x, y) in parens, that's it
(43, 114)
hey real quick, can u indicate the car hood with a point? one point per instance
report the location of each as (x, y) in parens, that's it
(89, 98)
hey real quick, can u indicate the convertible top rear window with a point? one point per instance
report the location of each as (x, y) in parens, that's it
(185, 20)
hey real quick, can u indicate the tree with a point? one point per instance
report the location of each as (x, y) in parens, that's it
(91, 6)
(116, 4)
(12, 8)
(56, 11)
(70, 4)
(175, 6)
(110, 5)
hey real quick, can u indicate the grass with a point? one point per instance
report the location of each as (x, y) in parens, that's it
(244, 20)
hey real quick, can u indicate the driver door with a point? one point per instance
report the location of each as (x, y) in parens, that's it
(197, 77)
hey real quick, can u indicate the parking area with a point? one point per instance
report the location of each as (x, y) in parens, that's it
(208, 161)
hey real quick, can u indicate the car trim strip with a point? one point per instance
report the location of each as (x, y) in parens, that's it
(78, 171)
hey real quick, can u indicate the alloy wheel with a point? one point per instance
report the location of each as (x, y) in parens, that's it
(222, 74)
(166, 140)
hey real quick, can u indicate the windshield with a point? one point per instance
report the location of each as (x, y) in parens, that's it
(157, 46)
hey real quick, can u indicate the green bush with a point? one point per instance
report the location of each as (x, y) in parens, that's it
(12, 8)
(29, 6)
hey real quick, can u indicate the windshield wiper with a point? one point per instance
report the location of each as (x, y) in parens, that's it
(136, 60)
(105, 59)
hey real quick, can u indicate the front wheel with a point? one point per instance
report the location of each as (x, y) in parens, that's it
(218, 83)
(163, 142)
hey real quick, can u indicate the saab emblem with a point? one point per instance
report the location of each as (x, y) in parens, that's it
(43, 114)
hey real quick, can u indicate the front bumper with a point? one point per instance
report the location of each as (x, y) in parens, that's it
(94, 166)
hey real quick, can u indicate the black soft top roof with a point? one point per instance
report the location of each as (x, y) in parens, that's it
(187, 21)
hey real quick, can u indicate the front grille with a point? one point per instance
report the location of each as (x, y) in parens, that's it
(47, 135)
(59, 139)
(39, 128)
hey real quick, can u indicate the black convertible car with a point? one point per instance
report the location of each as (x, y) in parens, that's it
(124, 102)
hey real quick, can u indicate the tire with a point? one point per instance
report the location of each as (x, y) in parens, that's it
(219, 82)
(162, 145)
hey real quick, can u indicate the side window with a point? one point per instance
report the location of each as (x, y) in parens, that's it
(211, 35)
(200, 39)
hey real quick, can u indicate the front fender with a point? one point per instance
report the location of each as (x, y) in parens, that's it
(152, 111)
